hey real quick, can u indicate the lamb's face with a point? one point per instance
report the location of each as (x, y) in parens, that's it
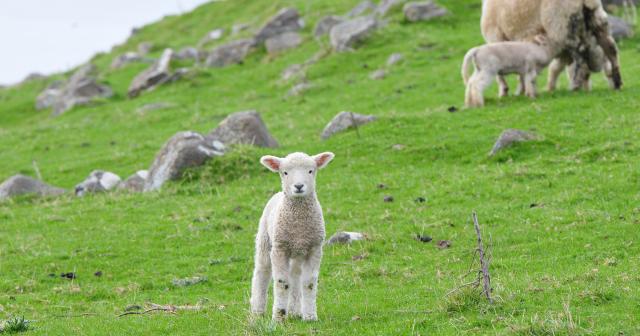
(297, 171)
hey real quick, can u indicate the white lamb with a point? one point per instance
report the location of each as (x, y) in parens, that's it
(289, 240)
(490, 60)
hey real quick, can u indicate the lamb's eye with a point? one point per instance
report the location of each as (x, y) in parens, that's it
(311, 171)
(286, 173)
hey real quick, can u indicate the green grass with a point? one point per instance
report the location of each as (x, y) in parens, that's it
(569, 266)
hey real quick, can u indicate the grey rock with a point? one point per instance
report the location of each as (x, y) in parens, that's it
(286, 20)
(135, 182)
(394, 58)
(98, 181)
(33, 76)
(345, 238)
(127, 58)
(366, 6)
(239, 27)
(183, 150)
(299, 89)
(81, 89)
(144, 48)
(188, 281)
(509, 137)
(619, 28)
(325, 24)
(49, 95)
(422, 11)
(294, 71)
(345, 35)
(386, 5)
(213, 35)
(189, 53)
(378, 74)
(24, 185)
(154, 107)
(244, 127)
(157, 74)
(230, 53)
(282, 42)
(345, 120)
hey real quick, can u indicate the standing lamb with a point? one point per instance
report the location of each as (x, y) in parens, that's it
(289, 240)
(568, 24)
(498, 59)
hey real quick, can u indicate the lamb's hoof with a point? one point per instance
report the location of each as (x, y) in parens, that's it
(309, 317)
(279, 315)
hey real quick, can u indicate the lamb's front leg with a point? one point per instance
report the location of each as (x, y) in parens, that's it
(280, 269)
(503, 86)
(310, 272)
(295, 294)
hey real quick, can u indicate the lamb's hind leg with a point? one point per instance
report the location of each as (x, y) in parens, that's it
(261, 276)
(530, 84)
(310, 272)
(295, 294)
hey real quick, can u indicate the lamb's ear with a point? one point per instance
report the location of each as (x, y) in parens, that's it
(271, 162)
(323, 159)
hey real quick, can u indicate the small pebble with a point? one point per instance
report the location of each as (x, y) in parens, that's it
(452, 109)
(420, 199)
(398, 147)
(443, 244)
(388, 199)
(423, 238)
(382, 186)
(69, 275)
(98, 273)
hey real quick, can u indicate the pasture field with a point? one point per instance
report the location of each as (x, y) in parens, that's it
(562, 213)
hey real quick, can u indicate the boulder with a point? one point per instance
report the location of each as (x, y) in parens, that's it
(619, 28)
(157, 74)
(183, 150)
(345, 120)
(386, 5)
(97, 181)
(135, 182)
(144, 48)
(509, 137)
(345, 238)
(394, 58)
(345, 35)
(24, 185)
(239, 27)
(126, 58)
(282, 42)
(422, 11)
(244, 127)
(81, 89)
(293, 71)
(363, 7)
(299, 88)
(50, 94)
(378, 74)
(230, 53)
(286, 20)
(325, 24)
(213, 35)
(189, 53)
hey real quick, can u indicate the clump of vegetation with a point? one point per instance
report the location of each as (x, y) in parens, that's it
(14, 325)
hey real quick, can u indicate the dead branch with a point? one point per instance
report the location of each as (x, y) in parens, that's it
(147, 311)
(484, 263)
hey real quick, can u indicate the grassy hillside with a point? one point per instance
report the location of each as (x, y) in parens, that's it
(563, 213)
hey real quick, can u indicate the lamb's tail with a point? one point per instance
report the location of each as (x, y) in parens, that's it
(465, 64)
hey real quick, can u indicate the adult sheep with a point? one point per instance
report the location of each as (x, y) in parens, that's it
(569, 25)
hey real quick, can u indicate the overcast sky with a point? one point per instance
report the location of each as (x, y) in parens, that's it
(53, 35)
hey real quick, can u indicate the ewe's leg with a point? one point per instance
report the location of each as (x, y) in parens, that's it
(261, 276)
(600, 25)
(555, 69)
(295, 294)
(310, 272)
(503, 87)
(530, 84)
(609, 73)
(280, 265)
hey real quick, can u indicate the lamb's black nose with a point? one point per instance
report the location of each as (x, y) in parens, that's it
(299, 186)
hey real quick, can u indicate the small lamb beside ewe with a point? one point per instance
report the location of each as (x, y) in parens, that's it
(495, 60)
(289, 240)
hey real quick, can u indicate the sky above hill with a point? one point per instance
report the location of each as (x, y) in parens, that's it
(50, 36)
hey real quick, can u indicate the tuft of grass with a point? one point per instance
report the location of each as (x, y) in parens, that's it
(14, 325)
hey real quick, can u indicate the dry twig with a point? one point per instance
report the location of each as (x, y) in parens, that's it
(484, 262)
